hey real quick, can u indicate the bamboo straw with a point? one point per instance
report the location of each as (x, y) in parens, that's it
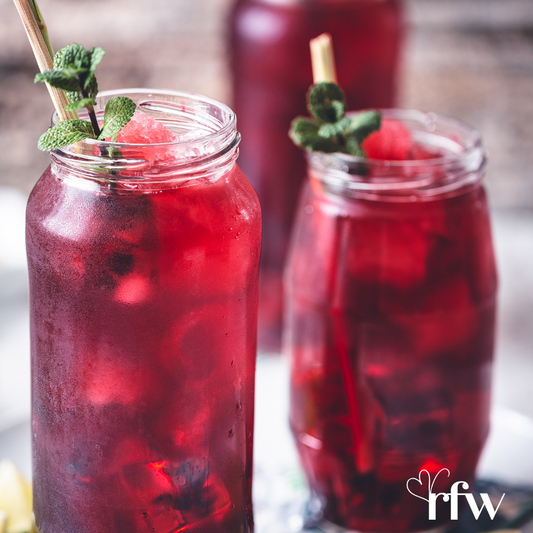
(35, 30)
(324, 70)
(322, 59)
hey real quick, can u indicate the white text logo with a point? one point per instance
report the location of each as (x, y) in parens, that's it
(452, 497)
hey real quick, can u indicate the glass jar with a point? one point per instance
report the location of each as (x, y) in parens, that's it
(390, 317)
(143, 292)
(271, 70)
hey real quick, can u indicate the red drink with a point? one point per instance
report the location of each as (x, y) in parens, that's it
(390, 323)
(271, 74)
(143, 279)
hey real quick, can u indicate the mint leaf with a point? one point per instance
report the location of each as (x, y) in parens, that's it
(78, 66)
(305, 133)
(331, 131)
(359, 128)
(59, 64)
(78, 104)
(60, 54)
(74, 73)
(66, 80)
(75, 56)
(64, 133)
(118, 112)
(81, 64)
(97, 55)
(301, 128)
(353, 147)
(326, 102)
(363, 124)
(91, 86)
(320, 144)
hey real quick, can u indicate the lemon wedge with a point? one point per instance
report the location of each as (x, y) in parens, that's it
(15, 500)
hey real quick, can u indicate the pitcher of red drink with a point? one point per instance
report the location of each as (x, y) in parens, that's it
(271, 71)
(390, 317)
(143, 263)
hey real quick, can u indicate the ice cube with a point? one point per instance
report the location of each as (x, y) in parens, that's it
(392, 142)
(143, 129)
(417, 410)
(176, 496)
(153, 492)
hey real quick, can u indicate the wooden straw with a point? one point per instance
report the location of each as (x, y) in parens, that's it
(42, 55)
(362, 438)
(322, 59)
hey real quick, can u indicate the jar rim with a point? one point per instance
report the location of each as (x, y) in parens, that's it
(150, 94)
(206, 142)
(471, 141)
(462, 162)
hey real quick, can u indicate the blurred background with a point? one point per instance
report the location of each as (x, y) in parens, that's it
(472, 59)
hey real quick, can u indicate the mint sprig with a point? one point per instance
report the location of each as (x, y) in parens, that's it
(74, 73)
(118, 112)
(330, 130)
(64, 133)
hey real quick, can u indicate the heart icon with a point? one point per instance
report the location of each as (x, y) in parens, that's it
(421, 483)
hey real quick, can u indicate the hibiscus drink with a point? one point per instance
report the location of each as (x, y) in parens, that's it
(390, 322)
(143, 261)
(271, 74)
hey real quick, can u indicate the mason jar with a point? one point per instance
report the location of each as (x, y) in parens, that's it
(271, 72)
(390, 315)
(143, 262)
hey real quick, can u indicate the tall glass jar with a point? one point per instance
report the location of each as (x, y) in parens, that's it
(143, 293)
(271, 69)
(390, 324)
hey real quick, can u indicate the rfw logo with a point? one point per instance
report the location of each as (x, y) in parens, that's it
(452, 497)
